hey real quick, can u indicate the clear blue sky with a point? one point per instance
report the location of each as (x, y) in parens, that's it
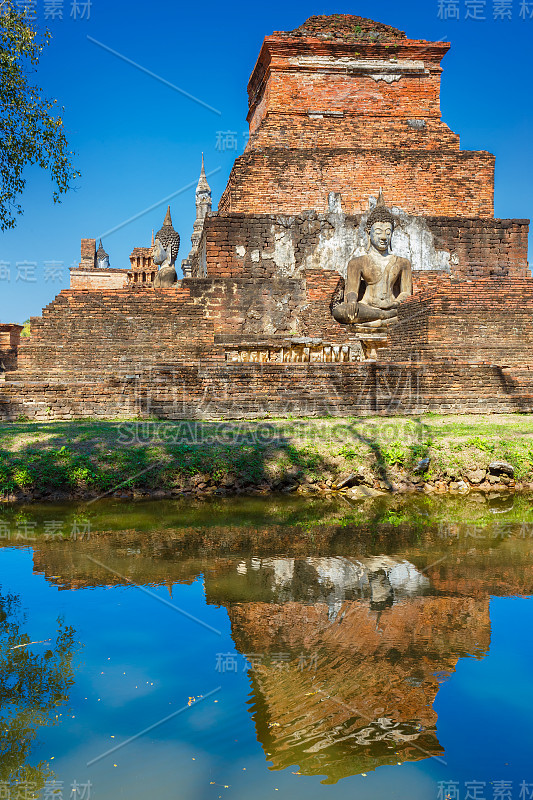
(138, 140)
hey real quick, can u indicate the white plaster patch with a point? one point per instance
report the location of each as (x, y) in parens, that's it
(412, 239)
(402, 65)
(335, 246)
(339, 242)
(386, 76)
(240, 250)
(283, 254)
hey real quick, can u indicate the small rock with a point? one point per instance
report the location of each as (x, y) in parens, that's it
(461, 487)
(475, 476)
(422, 465)
(499, 467)
(360, 492)
(350, 480)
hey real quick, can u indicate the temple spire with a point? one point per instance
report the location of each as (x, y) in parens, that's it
(168, 218)
(203, 207)
(203, 185)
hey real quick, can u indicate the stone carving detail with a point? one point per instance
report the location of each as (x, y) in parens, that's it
(377, 282)
(164, 253)
(322, 354)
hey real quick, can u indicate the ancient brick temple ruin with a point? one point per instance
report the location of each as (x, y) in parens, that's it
(346, 145)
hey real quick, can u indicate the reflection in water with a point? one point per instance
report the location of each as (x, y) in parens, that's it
(366, 647)
(32, 687)
(332, 580)
(354, 626)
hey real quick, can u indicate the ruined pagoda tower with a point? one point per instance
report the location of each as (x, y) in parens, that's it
(345, 104)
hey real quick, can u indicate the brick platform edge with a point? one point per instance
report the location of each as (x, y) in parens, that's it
(458, 347)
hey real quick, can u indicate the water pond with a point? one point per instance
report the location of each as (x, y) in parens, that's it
(267, 647)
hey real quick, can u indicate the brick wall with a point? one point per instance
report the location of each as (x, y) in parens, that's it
(483, 247)
(165, 352)
(85, 334)
(88, 253)
(9, 342)
(268, 246)
(290, 130)
(313, 74)
(98, 278)
(488, 321)
(214, 391)
(331, 115)
(285, 181)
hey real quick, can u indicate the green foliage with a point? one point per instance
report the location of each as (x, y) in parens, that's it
(350, 453)
(31, 132)
(480, 443)
(395, 517)
(22, 477)
(394, 453)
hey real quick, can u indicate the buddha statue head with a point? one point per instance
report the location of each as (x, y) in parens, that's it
(379, 226)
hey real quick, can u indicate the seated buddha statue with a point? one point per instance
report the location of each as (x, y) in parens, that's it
(387, 277)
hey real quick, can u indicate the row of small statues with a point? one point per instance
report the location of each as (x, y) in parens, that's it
(299, 354)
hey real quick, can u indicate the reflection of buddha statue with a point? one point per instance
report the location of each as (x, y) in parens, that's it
(165, 250)
(379, 281)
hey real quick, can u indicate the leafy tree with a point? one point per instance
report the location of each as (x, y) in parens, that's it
(30, 133)
(32, 687)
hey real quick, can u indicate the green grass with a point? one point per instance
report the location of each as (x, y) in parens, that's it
(91, 456)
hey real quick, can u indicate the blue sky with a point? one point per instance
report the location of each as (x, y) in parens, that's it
(138, 140)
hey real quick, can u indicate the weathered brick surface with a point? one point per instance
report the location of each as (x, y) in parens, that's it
(81, 278)
(86, 334)
(212, 391)
(487, 321)
(419, 182)
(290, 131)
(269, 245)
(484, 247)
(9, 342)
(458, 347)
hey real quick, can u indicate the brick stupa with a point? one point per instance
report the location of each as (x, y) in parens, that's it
(338, 108)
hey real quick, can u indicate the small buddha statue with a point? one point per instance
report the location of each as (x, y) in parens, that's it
(164, 253)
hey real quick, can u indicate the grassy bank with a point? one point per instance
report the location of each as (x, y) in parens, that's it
(90, 458)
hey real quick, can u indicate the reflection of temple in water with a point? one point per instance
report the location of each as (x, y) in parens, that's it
(352, 648)
(364, 645)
